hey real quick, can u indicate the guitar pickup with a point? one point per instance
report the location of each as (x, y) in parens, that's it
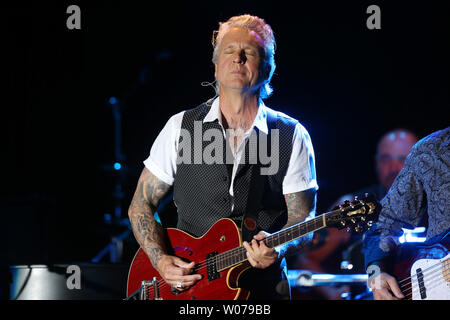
(211, 266)
(422, 289)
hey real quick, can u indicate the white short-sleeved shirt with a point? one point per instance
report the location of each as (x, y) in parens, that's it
(300, 174)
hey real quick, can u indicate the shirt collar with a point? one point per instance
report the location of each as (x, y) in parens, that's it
(260, 121)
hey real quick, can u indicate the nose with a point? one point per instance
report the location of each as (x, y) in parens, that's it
(397, 165)
(394, 169)
(240, 57)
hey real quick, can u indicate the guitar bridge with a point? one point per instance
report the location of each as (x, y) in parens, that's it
(146, 286)
(211, 266)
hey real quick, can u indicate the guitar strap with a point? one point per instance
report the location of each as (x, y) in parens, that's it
(249, 224)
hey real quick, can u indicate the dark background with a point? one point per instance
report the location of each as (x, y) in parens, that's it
(345, 83)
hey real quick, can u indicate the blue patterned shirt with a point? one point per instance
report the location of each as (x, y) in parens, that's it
(422, 186)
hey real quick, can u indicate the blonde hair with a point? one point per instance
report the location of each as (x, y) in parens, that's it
(264, 30)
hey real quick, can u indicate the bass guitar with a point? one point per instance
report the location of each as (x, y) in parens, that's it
(220, 257)
(423, 271)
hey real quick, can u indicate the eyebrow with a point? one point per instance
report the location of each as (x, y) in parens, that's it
(247, 46)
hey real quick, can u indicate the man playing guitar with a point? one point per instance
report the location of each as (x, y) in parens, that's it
(243, 57)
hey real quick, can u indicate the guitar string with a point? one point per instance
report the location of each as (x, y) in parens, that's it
(426, 274)
(234, 253)
(428, 277)
(310, 224)
(408, 280)
(239, 251)
(162, 284)
(429, 286)
(413, 284)
(446, 262)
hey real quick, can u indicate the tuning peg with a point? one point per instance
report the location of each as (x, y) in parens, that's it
(353, 220)
(356, 198)
(349, 229)
(363, 218)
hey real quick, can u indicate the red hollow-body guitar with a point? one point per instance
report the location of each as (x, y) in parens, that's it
(220, 257)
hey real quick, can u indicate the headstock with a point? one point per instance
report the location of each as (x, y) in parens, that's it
(358, 214)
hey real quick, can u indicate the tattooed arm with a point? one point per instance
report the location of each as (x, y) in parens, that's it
(300, 205)
(149, 233)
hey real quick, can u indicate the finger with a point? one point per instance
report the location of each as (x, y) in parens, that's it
(185, 282)
(270, 252)
(175, 274)
(184, 267)
(266, 249)
(383, 293)
(259, 251)
(247, 246)
(379, 295)
(192, 278)
(179, 286)
(395, 288)
(260, 235)
(255, 245)
(183, 264)
(252, 261)
(386, 295)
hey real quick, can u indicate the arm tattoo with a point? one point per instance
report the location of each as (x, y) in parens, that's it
(147, 231)
(300, 205)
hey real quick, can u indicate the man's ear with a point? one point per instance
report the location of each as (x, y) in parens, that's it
(215, 70)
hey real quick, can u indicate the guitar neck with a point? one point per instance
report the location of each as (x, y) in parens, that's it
(238, 255)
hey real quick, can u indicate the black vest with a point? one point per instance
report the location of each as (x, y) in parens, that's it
(201, 191)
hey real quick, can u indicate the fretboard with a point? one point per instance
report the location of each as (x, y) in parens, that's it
(238, 255)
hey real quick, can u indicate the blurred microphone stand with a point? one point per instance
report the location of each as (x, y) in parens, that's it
(115, 247)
